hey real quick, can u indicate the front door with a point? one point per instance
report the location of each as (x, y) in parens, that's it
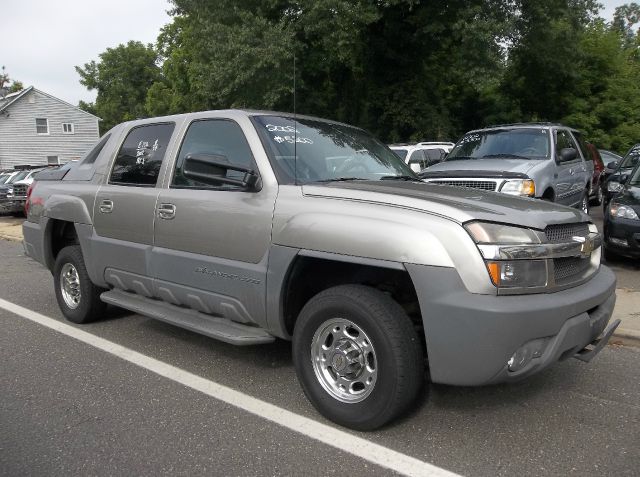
(212, 242)
(569, 188)
(124, 209)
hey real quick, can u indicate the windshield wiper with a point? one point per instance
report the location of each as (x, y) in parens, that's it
(343, 179)
(510, 156)
(399, 178)
(459, 158)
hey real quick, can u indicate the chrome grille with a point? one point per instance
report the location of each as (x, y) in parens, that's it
(20, 190)
(564, 232)
(484, 185)
(569, 268)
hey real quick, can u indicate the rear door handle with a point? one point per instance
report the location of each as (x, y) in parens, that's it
(106, 206)
(166, 211)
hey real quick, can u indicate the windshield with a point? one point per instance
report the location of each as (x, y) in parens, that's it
(521, 143)
(309, 150)
(4, 178)
(632, 158)
(18, 177)
(634, 179)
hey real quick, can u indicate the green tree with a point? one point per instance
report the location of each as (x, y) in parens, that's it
(400, 68)
(122, 78)
(8, 85)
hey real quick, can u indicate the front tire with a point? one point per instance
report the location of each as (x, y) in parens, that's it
(78, 298)
(357, 356)
(584, 202)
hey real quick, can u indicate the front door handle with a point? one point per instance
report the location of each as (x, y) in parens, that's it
(166, 211)
(106, 206)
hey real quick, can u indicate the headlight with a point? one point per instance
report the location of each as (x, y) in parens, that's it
(622, 211)
(485, 232)
(509, 273)
(613, 186)
(518, 273)
(524, 187)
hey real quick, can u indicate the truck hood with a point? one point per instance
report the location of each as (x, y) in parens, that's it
(475, 166)
(455, 203)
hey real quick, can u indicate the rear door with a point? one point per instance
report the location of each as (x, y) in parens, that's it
(212, 242)
(125, 206)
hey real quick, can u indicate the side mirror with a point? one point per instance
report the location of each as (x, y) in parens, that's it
(212, 169)
(612, 165)
(567, 154)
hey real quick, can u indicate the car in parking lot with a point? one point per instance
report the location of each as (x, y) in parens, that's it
(13, 193)
(542, 160)
(423, 154)
(620, 170)
(622, 218)
(596, 190)
(248, 226)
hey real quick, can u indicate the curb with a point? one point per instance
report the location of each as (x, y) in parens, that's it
(626, 337)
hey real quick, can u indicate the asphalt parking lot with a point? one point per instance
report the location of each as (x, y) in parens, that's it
(70, 407)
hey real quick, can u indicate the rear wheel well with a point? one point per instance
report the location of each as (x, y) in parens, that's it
(309, 276)
(61, 234)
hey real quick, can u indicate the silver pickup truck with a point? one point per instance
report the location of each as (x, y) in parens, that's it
(250, 226)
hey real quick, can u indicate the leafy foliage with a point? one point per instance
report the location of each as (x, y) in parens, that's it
(122, 78)
(404, 69)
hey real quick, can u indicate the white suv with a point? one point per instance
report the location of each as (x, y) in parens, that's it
(423, 154)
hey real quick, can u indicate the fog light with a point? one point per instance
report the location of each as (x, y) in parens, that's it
(523, 355)
(619, 242)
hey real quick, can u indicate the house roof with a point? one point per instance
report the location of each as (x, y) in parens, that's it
(9, 99)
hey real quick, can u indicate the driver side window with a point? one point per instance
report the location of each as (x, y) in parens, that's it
(221, 137)
(563, 141)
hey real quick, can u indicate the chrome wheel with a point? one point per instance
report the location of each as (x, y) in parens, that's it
(70, 285)
(344, 360)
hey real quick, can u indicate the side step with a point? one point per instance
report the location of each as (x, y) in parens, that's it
(214, 327)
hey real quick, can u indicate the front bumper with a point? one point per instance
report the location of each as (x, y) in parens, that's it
(470, 337)
(12, 206)
(622, 229)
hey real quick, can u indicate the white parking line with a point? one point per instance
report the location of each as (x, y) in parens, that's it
(328, 435)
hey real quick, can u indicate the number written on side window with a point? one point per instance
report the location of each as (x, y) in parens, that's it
(140, 157)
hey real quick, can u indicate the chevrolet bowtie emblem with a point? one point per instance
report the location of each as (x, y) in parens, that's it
(587, 245)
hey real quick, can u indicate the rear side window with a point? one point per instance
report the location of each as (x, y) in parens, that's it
(95, 152)
(140, 157)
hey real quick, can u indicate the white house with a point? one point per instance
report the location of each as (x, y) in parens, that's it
(37, 128)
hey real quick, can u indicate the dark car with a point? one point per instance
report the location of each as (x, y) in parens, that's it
(622, 219)
(620, 169)
(595, 193)
(609, 157)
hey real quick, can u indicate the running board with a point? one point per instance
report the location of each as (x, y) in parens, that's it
(212, 326)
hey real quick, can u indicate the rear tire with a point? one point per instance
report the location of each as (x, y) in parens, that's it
(78, 298)
(357, 356)
(597, 200)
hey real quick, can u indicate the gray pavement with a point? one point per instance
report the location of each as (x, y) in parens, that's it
(67, 408)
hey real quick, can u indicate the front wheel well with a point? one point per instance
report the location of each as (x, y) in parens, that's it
(309, 276)
(549, 195)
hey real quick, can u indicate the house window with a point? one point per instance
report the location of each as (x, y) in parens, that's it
(42, 126)
(67, 128)
(53, 160)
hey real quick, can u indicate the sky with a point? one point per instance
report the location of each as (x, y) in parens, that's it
(42, 40)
